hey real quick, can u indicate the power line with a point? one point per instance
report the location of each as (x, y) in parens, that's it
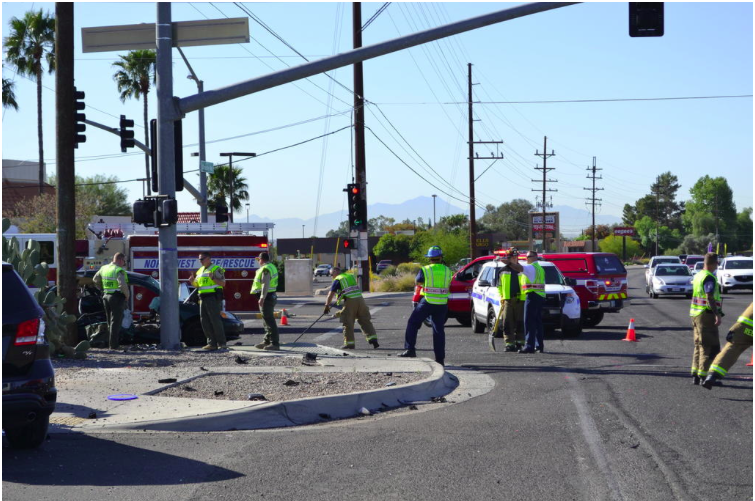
(375, 15)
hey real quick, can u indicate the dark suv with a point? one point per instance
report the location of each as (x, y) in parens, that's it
(29, 392)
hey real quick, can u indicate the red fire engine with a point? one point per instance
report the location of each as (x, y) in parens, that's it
(230, 246)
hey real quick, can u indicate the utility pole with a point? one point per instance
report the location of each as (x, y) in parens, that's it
(545, 156)
(65, 167)
(593, 199)
(360, 157)
(202, 157)
(657, 219)
(434, 197)
(170, 328)
(472, 179)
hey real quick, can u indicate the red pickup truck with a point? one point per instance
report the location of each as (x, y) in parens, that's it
(599, 279)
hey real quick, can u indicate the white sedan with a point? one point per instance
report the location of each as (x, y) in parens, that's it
(668, 279)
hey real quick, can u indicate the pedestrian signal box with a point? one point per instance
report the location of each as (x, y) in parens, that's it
(349, 244)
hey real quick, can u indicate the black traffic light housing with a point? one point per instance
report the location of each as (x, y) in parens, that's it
(127, 136)
(80, 126)
(645, 19)
(156, 211)
(179, 159)
(349, 244)
(221, 211)
(357, 207)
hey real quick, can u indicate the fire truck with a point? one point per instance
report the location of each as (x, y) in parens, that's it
(231, 246)
(48, 250)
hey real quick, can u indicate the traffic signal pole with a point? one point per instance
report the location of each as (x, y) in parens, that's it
(360, 158)
(170, 328)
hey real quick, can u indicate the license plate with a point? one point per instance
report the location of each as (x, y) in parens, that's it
(674, 290)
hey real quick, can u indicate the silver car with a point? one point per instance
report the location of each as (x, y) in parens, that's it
(668, 279)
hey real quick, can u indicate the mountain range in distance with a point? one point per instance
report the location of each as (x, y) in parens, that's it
(572, 220)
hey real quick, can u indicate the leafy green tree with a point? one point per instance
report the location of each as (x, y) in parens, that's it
(342, 231)
(646, 231)
(9, 95)
(380, 223)
(711, 209)
(615, 244)
(509, 218)
(40, 214)
(744, 229)
(629, 215)
(455, 223)
(669, 210)
(455, 245)
(601, 231)
(134, 78)
(393, 246)
(218, 185)
(697, 244)
(102, 193)
(32, 41)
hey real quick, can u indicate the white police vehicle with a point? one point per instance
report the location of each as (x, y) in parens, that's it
(561, 309)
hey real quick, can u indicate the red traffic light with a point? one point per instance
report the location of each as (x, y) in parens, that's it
(354, 190)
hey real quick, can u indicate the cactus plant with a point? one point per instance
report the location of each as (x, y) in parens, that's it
(34, 274)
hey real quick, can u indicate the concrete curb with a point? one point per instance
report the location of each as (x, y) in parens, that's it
(297, 412)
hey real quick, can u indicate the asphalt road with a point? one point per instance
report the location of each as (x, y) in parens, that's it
(593, 418)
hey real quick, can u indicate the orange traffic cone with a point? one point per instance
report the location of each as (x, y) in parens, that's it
(750, 364)
(284, 317)
(630, 332)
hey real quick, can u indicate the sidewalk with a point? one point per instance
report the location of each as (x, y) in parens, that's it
(83, 404)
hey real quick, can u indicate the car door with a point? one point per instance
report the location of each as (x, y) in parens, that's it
(479, 293)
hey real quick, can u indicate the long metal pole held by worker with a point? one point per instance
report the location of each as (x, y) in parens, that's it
(170, 329)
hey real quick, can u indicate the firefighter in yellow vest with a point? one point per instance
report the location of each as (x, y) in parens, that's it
(706, 314)
(738, 340)
(265, 285)
(435, 279)
(113, 282)
(533, 286)
(512, 295)
(354, 308)
(208, 279)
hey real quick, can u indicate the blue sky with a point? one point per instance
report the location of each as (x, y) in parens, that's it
(580, 52)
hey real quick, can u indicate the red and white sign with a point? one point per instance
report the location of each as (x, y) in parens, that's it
(624, 232)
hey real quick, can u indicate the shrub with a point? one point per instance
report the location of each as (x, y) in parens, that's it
(388, 272)
(389, 283)
(408, 268)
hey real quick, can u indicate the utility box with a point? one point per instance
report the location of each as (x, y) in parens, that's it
(298, 277)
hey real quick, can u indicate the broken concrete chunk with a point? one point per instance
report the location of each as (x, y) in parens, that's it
(256, 396)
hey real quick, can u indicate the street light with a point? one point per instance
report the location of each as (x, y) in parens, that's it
(302, 230)
(230, 177)
(247, 213)
(434, 196)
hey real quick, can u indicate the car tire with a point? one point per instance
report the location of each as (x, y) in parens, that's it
(192, 333)
(573, 331)
(653, 295)
(464, 320)
(491, 322)
(30, 436)
(592, 319)
(724, 290)
(477, 326)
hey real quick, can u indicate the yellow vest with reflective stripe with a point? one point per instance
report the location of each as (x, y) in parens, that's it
(109, 274)
(257, 283)
(699, 298)
(205, 283)
(538, 286)
(349, 287)
(505, 285)
(437, 283)
(746, 320)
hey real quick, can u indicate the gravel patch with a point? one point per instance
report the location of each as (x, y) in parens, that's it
(274, 387)
(279, 387)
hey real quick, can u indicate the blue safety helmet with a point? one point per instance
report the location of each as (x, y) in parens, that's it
(434, 251)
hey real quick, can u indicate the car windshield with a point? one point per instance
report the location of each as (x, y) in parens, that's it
(552, 276)
(739, 264)
(609, 264)
(664, 260)
(694, 260)
(672, 271)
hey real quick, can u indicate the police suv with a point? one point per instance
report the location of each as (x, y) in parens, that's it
(561, 309)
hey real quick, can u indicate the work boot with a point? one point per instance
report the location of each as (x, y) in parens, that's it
(272, 347)
(527, 350)
(209, 347)
(348, 347)
(710, 380)
(374, 343)
(222, 347)
(261, 346)
(695, 379)
(510, 348)
(408, 354)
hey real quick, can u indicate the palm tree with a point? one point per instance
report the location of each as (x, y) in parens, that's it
(31, 40)
(9, 96)
(217, 188)
(134, 79)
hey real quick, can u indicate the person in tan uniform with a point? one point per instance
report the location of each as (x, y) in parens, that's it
(738, 340)
(112, 280)
(354, 308)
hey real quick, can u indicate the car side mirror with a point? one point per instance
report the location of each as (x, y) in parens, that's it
(483, 283)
